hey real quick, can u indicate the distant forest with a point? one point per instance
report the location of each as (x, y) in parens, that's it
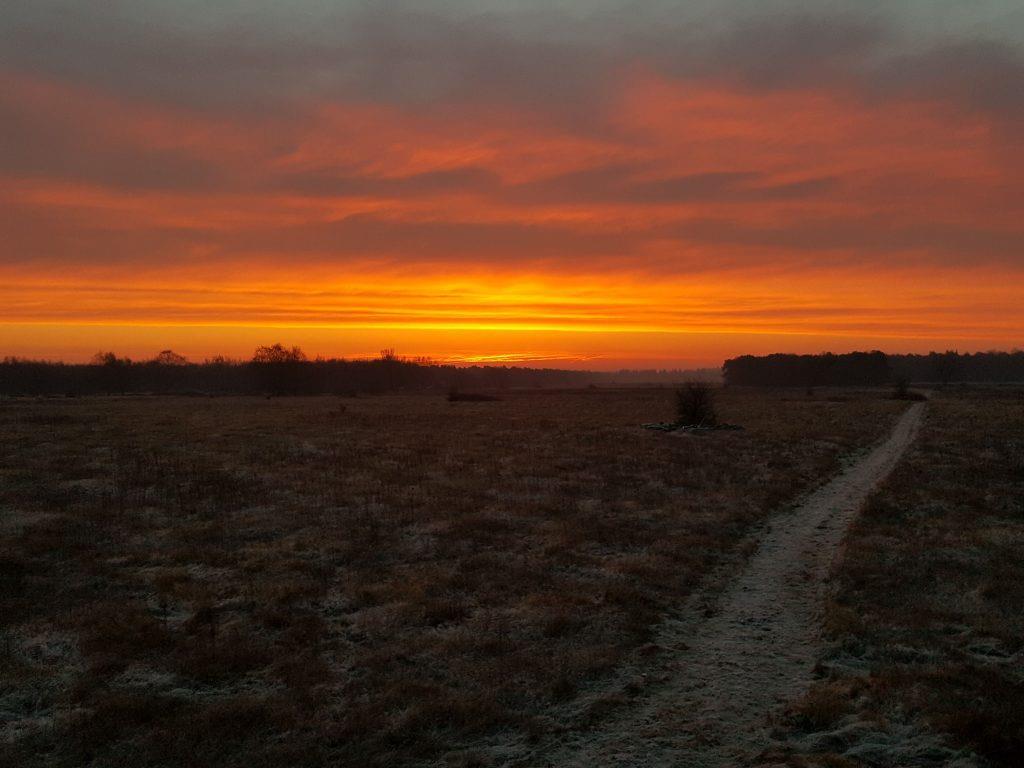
(872, 369)
(280, 370)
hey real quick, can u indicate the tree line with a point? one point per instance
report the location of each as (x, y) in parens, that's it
(281, 370)
(872, 369)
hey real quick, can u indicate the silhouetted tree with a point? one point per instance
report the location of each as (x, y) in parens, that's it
(170, 357)
(944, 366)
(279, 368)
(278, 353)
(285, 370)
(108, 358)
(805, 371)
(113, 373)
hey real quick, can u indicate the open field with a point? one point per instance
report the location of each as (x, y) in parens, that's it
(742, 651)
(363, 580)
(926, 623)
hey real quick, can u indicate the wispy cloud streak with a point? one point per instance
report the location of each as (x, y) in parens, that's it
(842, 169)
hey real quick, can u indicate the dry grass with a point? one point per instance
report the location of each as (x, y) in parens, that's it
(928, 617)
(372, 581)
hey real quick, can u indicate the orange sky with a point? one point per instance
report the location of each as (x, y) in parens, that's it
(641, 214)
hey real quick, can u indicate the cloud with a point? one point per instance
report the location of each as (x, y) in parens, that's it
(563, 59)
(981, 75)
(636, 185)
(344, 182)
(865, 240)
(604, 143)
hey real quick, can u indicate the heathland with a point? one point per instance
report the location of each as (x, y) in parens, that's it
(413, 579)
(364, 581)
(926, 622)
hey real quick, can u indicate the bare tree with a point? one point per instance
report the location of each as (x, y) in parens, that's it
(113, 373)
(278, 353)
(279, 368)
(170, 357)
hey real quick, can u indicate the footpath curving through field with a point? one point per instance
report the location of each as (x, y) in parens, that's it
(735, 669)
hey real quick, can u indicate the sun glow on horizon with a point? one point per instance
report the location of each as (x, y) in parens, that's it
(602, 321)
(691, 206)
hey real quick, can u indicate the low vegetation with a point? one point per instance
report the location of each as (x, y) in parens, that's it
(362, 581)
(278, 370)
(927, 621)
(695, 404)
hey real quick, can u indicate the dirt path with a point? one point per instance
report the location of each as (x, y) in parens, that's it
(757, 649)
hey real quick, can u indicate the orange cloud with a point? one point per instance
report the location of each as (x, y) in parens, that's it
(691, 207)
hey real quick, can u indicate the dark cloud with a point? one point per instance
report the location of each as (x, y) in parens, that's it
(61, 237)
(780, 51)
(982, 75)
(373, 236)
(616, 184)
(251, 65)
(55, 238)
(357, 182)
(35, 144)
(869, 239)
(632, 184)
(562, 61)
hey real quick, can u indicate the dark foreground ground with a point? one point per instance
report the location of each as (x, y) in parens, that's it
(399, 579)
(927, 621)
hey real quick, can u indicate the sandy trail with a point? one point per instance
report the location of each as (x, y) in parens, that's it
(756, 652)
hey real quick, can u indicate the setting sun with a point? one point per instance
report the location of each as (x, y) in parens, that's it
(674, 205)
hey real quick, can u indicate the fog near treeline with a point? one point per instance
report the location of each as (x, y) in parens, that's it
(280, 370)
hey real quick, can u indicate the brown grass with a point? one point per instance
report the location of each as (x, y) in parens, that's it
(821, 708)
(268, 582)
(930, 594)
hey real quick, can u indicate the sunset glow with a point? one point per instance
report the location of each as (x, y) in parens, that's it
(607, 205)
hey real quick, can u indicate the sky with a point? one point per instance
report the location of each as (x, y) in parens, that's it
(576, 184)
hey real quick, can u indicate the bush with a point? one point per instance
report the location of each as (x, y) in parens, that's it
(695, 404)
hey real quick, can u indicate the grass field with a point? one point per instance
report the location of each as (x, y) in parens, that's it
(927, 622)
(378, 581)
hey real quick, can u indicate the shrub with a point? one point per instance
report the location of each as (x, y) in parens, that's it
(695, 404)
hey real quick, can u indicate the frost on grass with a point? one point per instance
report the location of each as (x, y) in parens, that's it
(249, 581)
(926, 622)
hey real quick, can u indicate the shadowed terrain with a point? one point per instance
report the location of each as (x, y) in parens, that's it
(752, 649)
(366, 581)
(926, 624)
